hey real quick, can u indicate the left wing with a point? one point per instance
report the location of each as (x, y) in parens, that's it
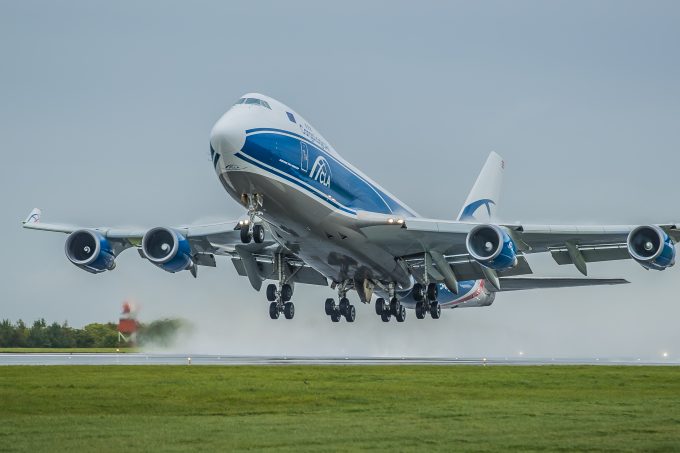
(181, 248)
(440, 247)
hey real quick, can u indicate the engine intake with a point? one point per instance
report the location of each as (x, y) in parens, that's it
(167, 249)
(491, 247)
(650, 246)
(90, 251)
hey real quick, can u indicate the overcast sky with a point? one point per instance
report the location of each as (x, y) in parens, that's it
(106, 109)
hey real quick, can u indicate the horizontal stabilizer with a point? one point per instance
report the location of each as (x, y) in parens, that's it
(518, 284)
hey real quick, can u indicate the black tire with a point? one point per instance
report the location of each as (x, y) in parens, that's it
(271, 292)
(330, 306)
(273, 311)
(258, 233)
(289, 310)
(344, 305)
(245, 234)
(385, 316)
(379, 306)
(286, 292)
(420, 310)
(401, 315)
(418, 292)
(335, 317)
(350, 314)
(435, 310)
(394, 306)
(432, 291)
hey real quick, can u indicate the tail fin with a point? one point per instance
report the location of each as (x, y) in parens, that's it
(481, 203)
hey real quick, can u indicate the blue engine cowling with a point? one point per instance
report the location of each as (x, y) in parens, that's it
(90, 250)
(167, 249)
(491, 247)
(651, 247)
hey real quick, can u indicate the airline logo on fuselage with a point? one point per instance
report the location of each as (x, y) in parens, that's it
(321, 171)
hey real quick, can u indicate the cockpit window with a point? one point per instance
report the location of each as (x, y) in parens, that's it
(254, 101)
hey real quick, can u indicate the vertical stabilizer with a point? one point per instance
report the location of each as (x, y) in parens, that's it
(481, 203)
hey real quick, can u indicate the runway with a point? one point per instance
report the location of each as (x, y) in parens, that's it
(202, 359)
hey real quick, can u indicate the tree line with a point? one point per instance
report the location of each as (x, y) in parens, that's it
(94, 335)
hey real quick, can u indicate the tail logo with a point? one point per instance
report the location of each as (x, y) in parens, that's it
(469, 211)
(321, 171)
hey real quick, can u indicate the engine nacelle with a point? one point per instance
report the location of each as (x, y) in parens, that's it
(167, 249)
(90, 251)
(651, 247)
(491, 247)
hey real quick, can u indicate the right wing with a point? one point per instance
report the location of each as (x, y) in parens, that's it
(257, 261)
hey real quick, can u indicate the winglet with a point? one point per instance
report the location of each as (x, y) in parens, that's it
(33, 217)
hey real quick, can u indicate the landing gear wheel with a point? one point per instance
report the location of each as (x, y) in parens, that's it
(350, 314)
(330, 306)
(271, 292)
(432, 291)
(401, 315)
(273, 310)
(420, 310)
(435, 310)
(258, 234)
(344, 305)
(289, 310)
(394, 306)
(385, 316)
(418, 292)
(335, 317)
(379, 306)
(245, 234)
(286, 292)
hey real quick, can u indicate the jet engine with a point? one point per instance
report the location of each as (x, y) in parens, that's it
(90, 251)
(651, 247)
(491, 247)
(167, 249)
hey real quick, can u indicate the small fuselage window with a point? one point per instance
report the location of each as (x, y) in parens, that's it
(291, 117)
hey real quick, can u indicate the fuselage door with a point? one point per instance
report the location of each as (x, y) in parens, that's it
(304, 157)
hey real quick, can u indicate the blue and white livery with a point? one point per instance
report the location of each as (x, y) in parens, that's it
(313, 218)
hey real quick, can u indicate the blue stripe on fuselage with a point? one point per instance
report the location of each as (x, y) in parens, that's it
(280, 150)
(294, 181)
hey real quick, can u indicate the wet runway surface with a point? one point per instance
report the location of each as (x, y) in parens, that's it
(186, 359)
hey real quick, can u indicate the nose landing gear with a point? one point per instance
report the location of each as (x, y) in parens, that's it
(249, 229)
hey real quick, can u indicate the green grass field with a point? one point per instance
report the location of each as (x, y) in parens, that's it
(324, 408)
(66, 350)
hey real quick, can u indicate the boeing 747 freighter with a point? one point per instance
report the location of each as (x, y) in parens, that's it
(313, 218)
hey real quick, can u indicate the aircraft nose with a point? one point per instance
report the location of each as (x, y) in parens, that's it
(227, 135)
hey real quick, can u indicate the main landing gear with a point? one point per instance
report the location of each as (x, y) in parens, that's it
(250, 231)
(280, 301)
(280, 295)
(343, 309)
(386, 310)
(426, 300)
